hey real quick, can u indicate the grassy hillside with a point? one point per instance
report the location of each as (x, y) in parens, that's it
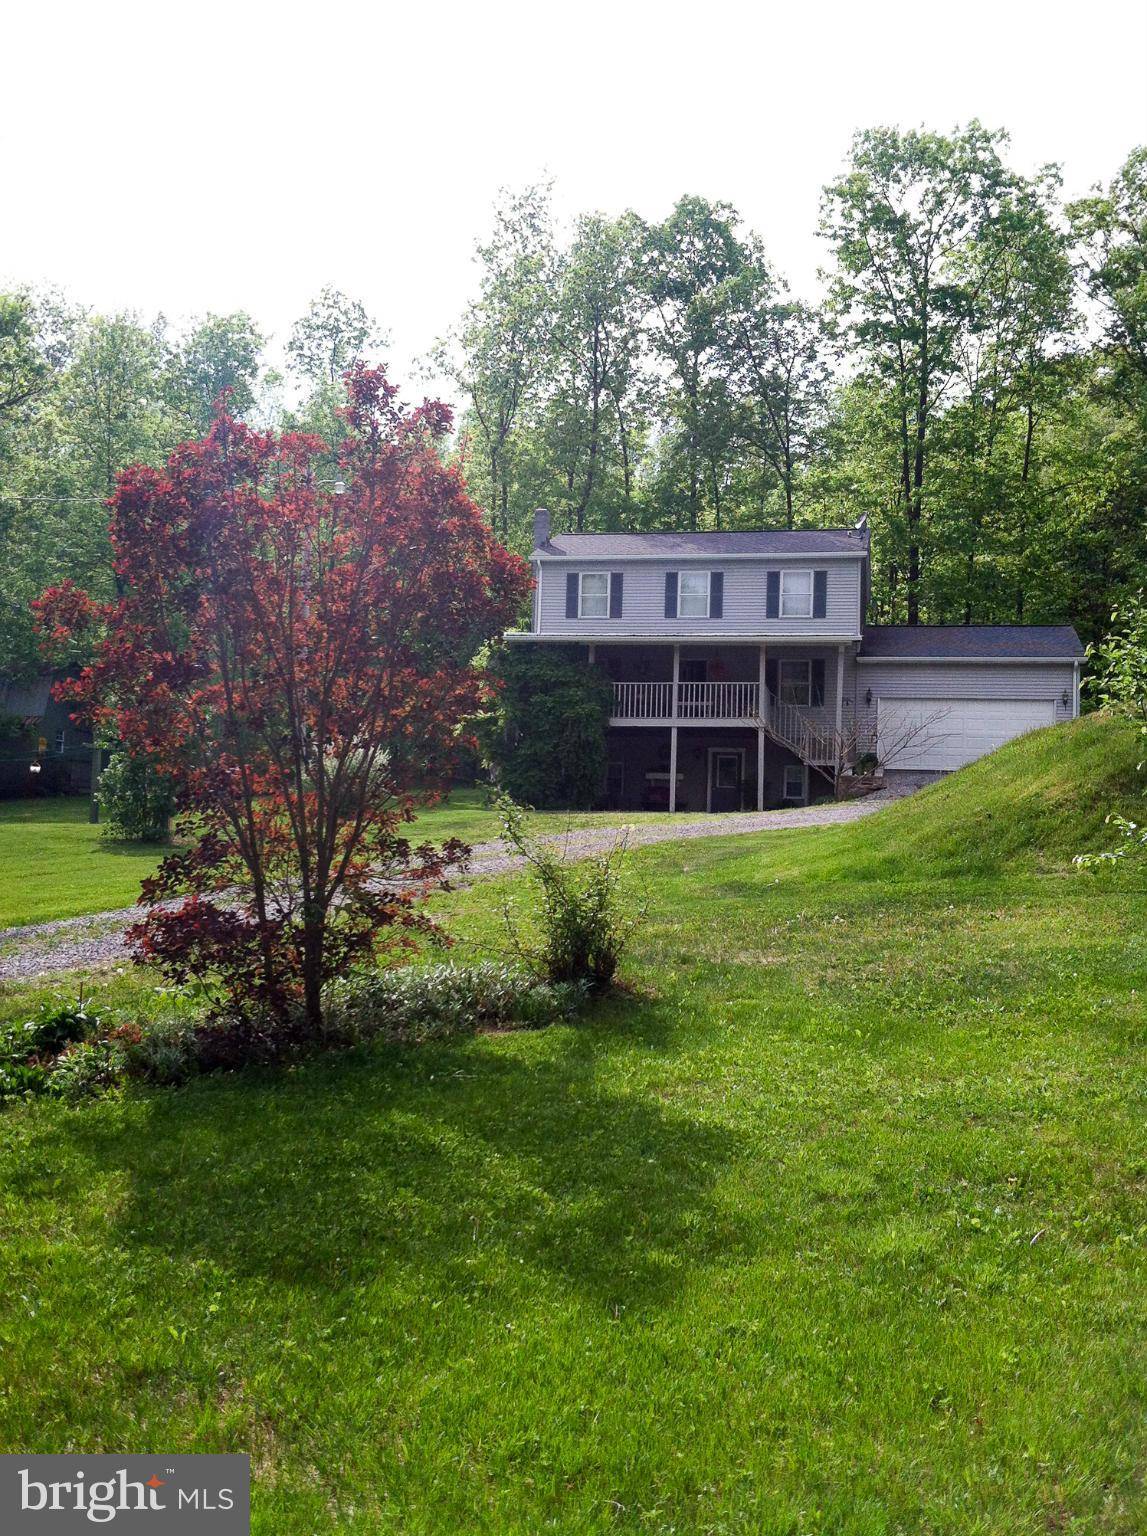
(1034, 804)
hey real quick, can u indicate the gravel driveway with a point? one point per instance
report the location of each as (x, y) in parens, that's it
(75, 943)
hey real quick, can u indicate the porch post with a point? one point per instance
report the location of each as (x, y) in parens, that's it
(839, 688)
(762, 706)
(673, 732)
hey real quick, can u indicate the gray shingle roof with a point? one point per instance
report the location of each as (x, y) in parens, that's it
(673, 546)
(1024, 642)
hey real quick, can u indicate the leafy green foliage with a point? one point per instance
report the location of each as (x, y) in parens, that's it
(414, 1003)
(136, 802)
(546, 734)
(581, 915)
(1119, 681)
(29, 1047)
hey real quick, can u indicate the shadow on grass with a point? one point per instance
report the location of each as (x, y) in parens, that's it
(416, 1165)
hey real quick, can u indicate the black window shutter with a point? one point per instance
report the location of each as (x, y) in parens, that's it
(571, 595)
(616, 580)
(818, 677)
(716, 594)
(670, 594)
(772, 595)
(772, 675)
(819, 595)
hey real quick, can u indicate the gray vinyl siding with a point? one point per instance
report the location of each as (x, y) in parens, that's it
(956, 680)
(643, 610)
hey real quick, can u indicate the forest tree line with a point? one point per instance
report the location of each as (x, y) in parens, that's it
(974, 381)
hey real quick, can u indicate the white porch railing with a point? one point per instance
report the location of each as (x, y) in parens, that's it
(717, 701)
(695, 701)
(785, 722)
(642, 701)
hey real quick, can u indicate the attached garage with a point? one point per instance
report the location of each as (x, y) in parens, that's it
(947, 733)
(932, 698)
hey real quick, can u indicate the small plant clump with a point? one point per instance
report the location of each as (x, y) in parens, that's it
(584, 928)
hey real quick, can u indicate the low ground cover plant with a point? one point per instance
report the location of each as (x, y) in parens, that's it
(72, 1051)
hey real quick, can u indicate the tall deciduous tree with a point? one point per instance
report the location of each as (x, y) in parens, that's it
(298, 663)
(900, 222)
(595, 405)
(1111, 227)
(687, 263)
(219, 353)
(775, 356)
(502, 351)
(335, 332)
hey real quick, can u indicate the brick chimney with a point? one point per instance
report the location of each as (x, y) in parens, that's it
(541, 527)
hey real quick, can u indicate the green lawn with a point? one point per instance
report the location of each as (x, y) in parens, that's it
(832, 1222)
(54, 863)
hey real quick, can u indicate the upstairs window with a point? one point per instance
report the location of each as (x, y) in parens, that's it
(796, 594)
(593, 595)
(693, 595)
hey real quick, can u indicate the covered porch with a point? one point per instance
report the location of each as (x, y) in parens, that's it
(785, 699)
(706, 768)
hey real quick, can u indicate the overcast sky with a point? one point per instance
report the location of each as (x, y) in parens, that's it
(216, 157)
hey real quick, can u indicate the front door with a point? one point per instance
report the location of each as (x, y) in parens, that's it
(726, 770)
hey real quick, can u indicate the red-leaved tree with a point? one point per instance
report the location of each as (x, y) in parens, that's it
(298, 657)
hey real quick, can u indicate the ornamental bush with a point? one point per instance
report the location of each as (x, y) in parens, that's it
(136, 802)
(545, 738)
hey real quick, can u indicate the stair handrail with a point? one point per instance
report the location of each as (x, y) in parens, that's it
(787, 725)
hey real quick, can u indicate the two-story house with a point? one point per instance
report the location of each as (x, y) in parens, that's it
(741, 663)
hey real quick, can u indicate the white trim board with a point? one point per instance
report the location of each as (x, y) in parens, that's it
(968, 661)
(671, 637)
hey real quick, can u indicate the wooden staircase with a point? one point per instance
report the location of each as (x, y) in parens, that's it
(789, 728)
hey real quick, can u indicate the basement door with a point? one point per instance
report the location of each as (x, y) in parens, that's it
(726, 776)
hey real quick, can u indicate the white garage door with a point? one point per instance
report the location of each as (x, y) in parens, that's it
(946, 733)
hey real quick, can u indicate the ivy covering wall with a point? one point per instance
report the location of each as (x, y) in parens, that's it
(545, 739)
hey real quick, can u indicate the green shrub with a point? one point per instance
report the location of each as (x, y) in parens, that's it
(20, 1078)
(584, 929)
(54, 1027)
(86, 1068)
(411, 1003)
(29, 1050)
(546, 736)
(136, 802)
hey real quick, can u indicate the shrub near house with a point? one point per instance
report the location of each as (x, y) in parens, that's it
(547, 733)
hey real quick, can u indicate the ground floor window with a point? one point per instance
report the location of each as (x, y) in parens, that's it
(795, 681)
(793, 786)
